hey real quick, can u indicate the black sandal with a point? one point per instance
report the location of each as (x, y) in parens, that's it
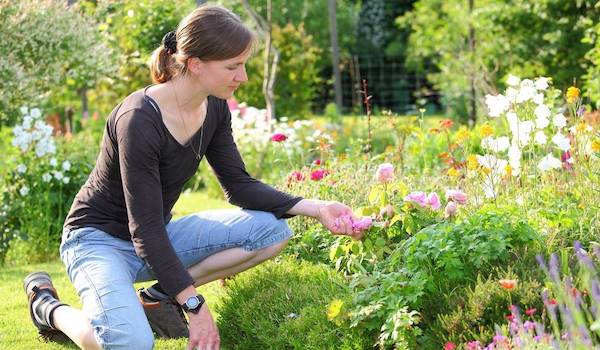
(46, 329)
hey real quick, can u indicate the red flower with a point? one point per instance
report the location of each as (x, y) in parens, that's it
(278, 137)
(317, 162)
(446, 123)
(530, 311)
(552, 302)
(508, 284)
(318, 174)
(449, 346)
(510, 317)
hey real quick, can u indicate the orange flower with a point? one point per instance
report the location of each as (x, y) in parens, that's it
(508, 284)
(573, 94)
(446, 123)
(434, 130)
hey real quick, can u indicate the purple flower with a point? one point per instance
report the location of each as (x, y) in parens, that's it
(529, 326)
(580, 111)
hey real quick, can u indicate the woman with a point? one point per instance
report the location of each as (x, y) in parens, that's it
(118, 230)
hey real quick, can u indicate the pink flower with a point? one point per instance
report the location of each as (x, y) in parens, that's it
(418, 197)
(232, 103)
(433, 201)
(530, 311)
(385, 173)
(317, 162)
(498, 338)
(388, 211)
(279, 137)
(474, 345)
(319, 174)
(362, 224)
(358, 225)
(450, 209)
(456, 195)
(296, 176)
(449, 346)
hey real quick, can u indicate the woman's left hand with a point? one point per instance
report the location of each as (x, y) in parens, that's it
(328, 212)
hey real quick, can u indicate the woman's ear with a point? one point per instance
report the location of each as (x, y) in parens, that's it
(194, 65)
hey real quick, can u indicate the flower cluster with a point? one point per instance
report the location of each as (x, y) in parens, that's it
(34, 134)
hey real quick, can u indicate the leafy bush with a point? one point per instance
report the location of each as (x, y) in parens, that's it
(475, 310)
(48, 66)
(291, 299)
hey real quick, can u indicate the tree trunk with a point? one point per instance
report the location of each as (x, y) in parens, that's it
(473, 114)
(84, 103)
(271, 56)
(335, 54)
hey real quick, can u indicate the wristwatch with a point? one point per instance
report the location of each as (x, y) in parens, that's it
(193, 304)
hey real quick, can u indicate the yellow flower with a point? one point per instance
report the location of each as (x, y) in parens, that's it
(596, 146)
(334, 309)
(485, 170)
(462, 135)
(472, 162)
(486, 130)
(452, 172)
(581, 127)
(508, 171)
(573, 94)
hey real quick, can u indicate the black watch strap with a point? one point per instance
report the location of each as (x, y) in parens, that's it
(193, 304)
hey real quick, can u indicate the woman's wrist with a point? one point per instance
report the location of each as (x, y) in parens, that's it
(308, 207)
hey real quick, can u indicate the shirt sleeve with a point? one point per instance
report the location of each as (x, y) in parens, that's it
(139, 143)
(239, 187)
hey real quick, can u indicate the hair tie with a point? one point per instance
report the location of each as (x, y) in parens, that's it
(169, 41)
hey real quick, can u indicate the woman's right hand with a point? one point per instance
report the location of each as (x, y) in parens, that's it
(204, 334)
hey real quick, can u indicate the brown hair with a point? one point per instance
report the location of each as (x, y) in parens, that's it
(210, 33)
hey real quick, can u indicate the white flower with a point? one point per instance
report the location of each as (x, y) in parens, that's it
(27, 120)
(35, 113)
(513, 80)
(53, 162)
(511, 94)
(514, 159)
(46, 177)
(21, 168)
(540, 138)
(58, 175)
(538, 99)
(527, 91)
(560, 121)
(496, 165)
(542, 111)
(541, 83)
(549, 162)
(24, 110)
(66, 165)
(500, 144)
(496, 104)
(542, 123)
(24, 191)
(563, 142)
(66, 179)
(520, 129)
(527, 83)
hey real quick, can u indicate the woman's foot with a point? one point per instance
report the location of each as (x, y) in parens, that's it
(43, 301)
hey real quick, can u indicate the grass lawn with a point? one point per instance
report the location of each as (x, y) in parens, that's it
(16, 330)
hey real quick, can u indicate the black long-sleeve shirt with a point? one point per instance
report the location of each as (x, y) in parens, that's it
(139, 175)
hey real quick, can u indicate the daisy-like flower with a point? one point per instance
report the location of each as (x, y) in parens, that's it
(496, 105)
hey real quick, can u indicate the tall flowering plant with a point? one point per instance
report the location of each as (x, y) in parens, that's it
(38, 188)
(541, 132)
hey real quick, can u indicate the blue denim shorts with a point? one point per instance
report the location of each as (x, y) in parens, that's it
(103, 268)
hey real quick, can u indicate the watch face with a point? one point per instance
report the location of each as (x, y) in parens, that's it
(192, 302)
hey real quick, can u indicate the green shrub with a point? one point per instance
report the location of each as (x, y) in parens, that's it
(475, 310)
(282, 305)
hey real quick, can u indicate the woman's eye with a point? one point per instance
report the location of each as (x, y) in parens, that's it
(232, 68)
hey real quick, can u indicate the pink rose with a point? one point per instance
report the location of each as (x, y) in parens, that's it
(388, 211)
(434, 201)
(449, 346)
(385, 173)
(358, 225)
(450, 209)
(418, 197)
(456, 195)
(279, 137)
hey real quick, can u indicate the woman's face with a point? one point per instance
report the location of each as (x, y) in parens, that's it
(221, 78)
